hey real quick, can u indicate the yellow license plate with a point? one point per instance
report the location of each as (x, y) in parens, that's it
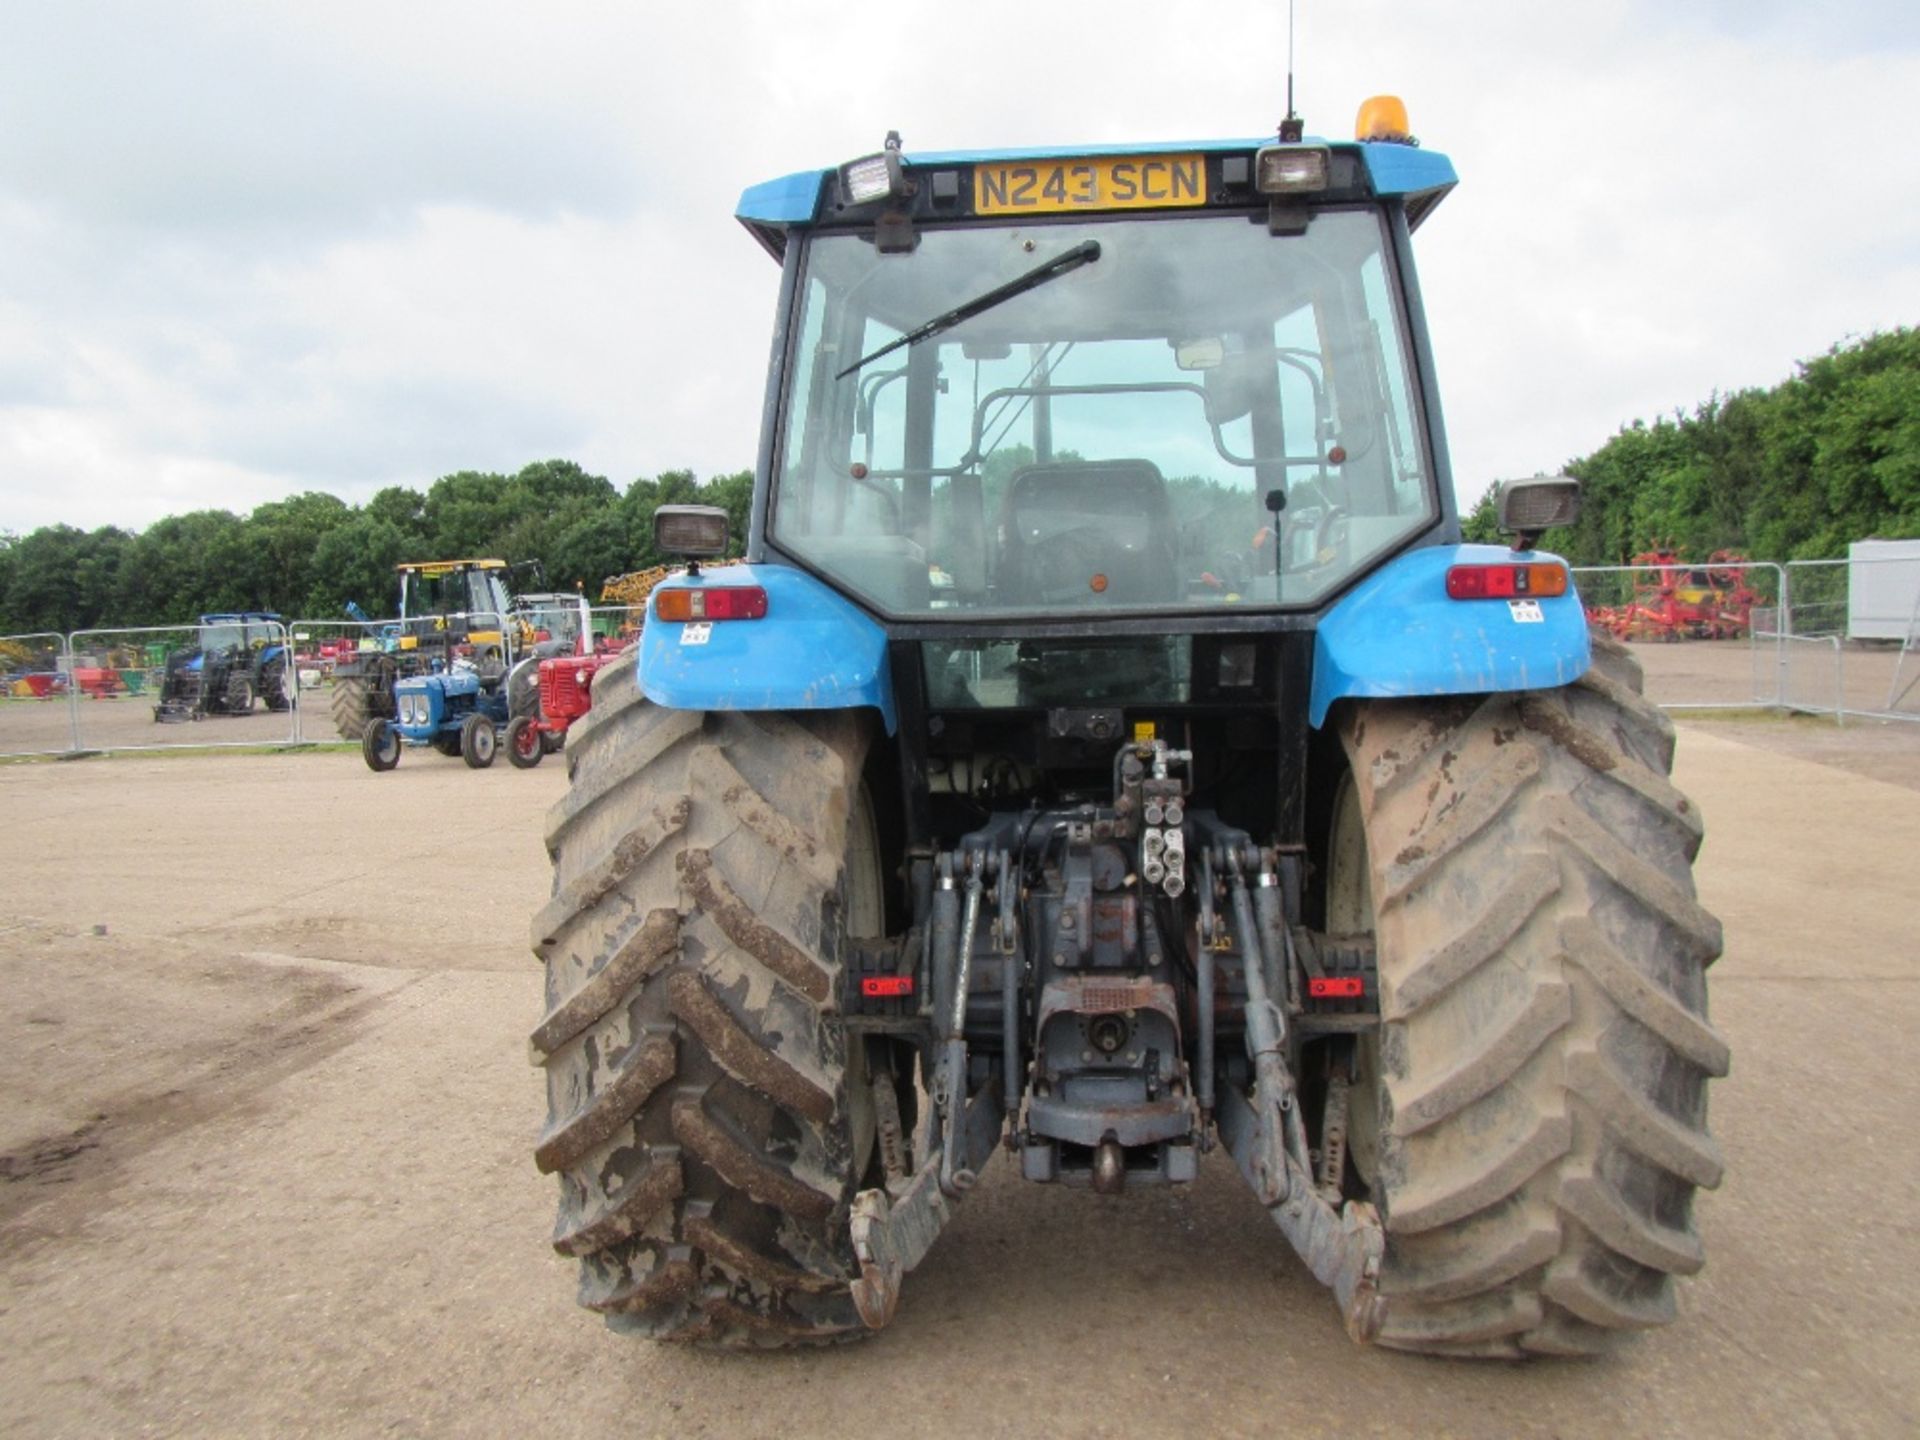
(1126, 182)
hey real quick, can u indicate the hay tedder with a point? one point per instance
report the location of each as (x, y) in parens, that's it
(1675, 599)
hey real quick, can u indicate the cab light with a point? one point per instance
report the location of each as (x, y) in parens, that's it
(1506, 582)
(881, 176)
(1382, 117)
(1290, 169)
(722, 602)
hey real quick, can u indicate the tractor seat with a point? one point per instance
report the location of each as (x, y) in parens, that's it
(1081, 533)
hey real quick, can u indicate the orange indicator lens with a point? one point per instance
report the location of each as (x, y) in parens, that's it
(1506, 582)
(721, 602)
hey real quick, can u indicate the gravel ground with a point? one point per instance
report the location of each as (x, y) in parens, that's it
(265, 1161)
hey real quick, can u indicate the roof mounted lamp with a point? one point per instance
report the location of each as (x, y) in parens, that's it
(880, 176)
(1383, 121)
(1529, 507)
(881, 179)
(691, 532)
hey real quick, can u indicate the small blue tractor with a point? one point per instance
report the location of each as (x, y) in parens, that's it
(457, 710)
(448, 609)
(235, 660)
(1109, 753)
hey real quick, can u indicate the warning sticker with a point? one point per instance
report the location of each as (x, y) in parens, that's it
(1525, 612)
(697, 631)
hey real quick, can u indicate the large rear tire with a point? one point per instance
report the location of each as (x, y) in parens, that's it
(708, 1118)
(273, 684)
(360, 698)
(1531, 1117)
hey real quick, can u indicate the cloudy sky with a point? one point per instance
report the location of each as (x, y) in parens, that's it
(252, 248)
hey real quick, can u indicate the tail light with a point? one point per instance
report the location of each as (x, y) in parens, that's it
(718, 602)
(1506, 582)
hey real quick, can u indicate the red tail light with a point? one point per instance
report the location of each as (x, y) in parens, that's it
(1336, 987)
(718, 602)
(1506, 582)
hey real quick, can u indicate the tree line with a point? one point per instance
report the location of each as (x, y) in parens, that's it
(1826, 457)
(308, 555)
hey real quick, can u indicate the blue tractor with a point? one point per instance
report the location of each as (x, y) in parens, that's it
(457, 708)
(1109, 752)
(235, 659)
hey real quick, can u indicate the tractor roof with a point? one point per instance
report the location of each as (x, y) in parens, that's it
(793, 202)
(442, 567)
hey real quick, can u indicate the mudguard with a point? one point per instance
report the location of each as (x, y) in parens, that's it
(1398, 634)
(813, 650)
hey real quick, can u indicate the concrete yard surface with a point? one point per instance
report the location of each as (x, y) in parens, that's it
(265, 1157)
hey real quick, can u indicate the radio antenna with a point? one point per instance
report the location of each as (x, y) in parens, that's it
(1293, 126)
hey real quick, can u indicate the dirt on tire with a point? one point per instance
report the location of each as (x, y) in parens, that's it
(1541, 1070)
(703, 1119)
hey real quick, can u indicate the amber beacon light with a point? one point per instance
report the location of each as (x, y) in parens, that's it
(1382, 117)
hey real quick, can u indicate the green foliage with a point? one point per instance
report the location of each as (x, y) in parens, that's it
(308, 555)
(1796, 472)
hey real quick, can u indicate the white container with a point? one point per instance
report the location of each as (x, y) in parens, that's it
(1883, 587)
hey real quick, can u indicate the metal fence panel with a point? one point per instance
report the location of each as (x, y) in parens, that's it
(169, 687)
(1870, 672)
(36, 704)
(1703, 633)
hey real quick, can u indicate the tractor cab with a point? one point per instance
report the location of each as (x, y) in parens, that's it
(457, 602)
(1174, 381)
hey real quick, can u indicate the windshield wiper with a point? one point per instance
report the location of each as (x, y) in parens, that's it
(1085, 253)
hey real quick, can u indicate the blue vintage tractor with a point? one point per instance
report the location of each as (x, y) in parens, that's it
(1108, 753)
(458, 710)
(235, 659)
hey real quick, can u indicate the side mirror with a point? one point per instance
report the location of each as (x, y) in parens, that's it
(692, 532)
(1527, 507)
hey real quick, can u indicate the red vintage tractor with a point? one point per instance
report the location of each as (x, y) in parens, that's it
(566, 683)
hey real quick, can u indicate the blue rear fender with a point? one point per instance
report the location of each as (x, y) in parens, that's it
(1398, 634)
(813, 650)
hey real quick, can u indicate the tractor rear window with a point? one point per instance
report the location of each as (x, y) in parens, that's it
(1202, 415)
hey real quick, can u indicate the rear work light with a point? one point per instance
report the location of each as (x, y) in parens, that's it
(721, 602)
(1290, 169)
(1506, 582)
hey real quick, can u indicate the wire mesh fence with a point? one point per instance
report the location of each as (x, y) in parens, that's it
(1832, 637)
(1705, 633)
(1838, 637)
(225, 682)
(36, 713)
